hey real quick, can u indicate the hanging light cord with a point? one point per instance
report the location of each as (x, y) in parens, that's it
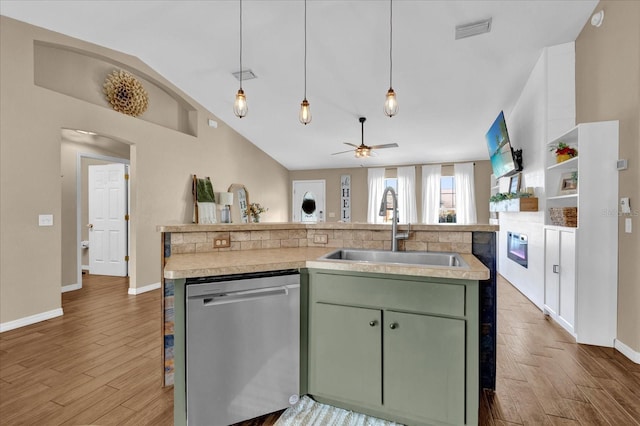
(240, 44)
(305, 49)
(390, 42)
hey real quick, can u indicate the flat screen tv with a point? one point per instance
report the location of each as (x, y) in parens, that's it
(504, 160)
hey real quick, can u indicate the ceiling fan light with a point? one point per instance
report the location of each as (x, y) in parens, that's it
(305, 112)
(240, 108)
(390, 103)
(363, 152)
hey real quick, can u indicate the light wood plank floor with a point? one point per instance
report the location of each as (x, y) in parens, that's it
(101, 364)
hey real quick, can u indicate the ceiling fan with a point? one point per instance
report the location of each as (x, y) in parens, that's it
(362, 150)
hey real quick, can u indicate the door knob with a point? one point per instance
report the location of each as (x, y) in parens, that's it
(393, 325)
(90, 225)
(373, 323)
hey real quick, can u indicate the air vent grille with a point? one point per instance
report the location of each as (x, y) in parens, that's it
(246, 75)
(473, 29)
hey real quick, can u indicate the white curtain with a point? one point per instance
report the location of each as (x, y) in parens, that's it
(407, 210)
(465, 194)
(375, 177)
(431, 193)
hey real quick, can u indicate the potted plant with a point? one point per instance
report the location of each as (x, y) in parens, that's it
(563, 152)
(256, 210)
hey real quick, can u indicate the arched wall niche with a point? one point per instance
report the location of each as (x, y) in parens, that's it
(81, 75)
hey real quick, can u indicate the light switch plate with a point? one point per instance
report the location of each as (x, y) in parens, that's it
(45, 220)
(627, 225)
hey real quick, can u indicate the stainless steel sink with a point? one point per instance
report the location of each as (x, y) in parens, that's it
(403, 257)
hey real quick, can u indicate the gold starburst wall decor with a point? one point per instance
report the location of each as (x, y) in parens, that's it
(125, 93)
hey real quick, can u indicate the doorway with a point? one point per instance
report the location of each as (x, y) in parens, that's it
(79, 150)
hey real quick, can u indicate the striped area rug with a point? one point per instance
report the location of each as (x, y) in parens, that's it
(308, 412)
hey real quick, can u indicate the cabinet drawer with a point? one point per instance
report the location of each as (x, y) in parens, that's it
(418, 295)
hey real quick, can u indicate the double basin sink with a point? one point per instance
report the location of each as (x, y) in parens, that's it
(451, 260)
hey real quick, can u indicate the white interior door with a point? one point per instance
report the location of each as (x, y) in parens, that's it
(308, 204)
(107, 222)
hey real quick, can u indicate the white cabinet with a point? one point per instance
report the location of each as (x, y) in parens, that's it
(582, 292)
(560, 276)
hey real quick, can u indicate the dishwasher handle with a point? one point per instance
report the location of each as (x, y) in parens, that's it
(241, 296)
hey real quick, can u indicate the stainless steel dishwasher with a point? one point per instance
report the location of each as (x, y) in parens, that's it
(243, 346)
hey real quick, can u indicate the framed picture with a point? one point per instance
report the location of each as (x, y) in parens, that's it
(514, 183)
(568, 183)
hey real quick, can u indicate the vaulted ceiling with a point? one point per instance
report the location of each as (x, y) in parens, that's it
(449, 91)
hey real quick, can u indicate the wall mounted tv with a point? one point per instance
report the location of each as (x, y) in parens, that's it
(504, 161)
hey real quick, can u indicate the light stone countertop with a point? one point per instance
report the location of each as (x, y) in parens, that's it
(246, 261)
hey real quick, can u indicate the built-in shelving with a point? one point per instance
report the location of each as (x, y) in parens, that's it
(581, 262)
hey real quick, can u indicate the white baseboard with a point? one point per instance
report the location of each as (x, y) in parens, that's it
(146, 288)
(71, 287)
(32, 319)
(627, 351)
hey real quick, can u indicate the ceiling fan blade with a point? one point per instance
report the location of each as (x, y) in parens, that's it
(350, 144)
(342, 152)
(386, 145)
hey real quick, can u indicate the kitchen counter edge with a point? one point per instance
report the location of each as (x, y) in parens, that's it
(223, 227)
(246, 261)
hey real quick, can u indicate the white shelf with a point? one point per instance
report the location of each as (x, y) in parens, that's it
(561, 228)
(568, 165)
(562, 197)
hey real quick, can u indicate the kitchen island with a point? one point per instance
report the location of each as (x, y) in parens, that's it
(313, 241)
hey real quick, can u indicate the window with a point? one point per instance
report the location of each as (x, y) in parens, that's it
(392, 182)
(447, 200)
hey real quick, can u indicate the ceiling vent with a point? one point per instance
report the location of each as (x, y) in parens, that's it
(474, 29)
(246, 75)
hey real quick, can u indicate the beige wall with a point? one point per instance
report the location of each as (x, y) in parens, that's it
(162, 160)
(608, 88)
(360, 190)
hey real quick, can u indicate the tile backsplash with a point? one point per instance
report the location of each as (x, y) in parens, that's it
(202, 242)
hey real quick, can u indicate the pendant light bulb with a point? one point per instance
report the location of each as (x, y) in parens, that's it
(391, 103)
(305, 112)
(240, 108)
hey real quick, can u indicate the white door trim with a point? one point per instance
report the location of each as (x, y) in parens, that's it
(79, 177)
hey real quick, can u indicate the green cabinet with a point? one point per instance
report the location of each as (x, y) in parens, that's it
(348, 353)
(396, 347)
(424, 366)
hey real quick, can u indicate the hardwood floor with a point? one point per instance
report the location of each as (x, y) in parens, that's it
(100, 364)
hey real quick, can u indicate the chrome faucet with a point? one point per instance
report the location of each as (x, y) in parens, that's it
(394, 225)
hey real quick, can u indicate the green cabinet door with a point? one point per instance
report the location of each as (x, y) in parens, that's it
(424, 367)
(345, 356)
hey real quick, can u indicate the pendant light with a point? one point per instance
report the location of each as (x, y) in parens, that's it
(305, 110)
(240, 108)
(390, 103)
